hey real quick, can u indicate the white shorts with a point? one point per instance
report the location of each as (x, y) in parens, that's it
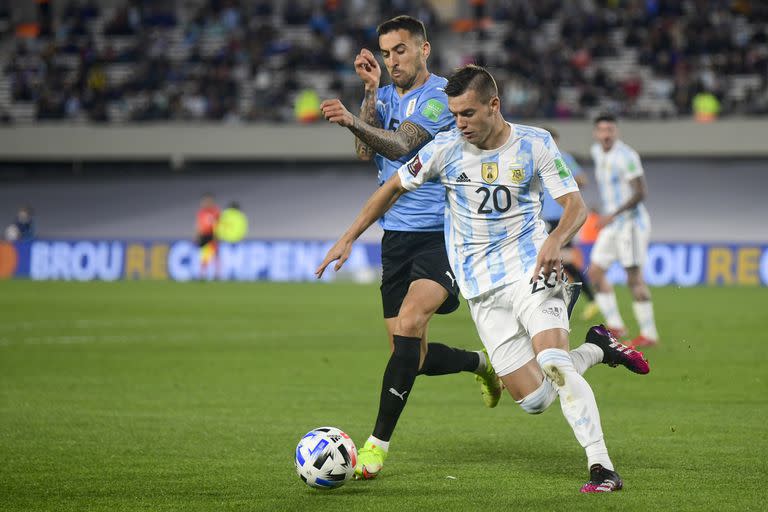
(508, 317)
(627, 243)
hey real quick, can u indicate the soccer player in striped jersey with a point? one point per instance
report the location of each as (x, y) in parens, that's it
(395, 121)
(507, 266)
(626, 230)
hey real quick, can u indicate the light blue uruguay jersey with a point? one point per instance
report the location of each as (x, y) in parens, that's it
(493, 231)
(551, 209)
(614, 169)
(426, 106)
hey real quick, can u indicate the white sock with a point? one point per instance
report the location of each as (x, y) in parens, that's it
(578, 404)
(483, 364)
(586, 356)
(610, 309)
(384, 445)
(644, 315)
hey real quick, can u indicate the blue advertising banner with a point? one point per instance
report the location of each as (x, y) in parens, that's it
(295, 260)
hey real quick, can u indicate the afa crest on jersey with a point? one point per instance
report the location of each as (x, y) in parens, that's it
(516, 173)
(489, 171)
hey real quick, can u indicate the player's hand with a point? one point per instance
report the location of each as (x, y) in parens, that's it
(367, 68)
(548, 260)
(340, 251)
(335, 112)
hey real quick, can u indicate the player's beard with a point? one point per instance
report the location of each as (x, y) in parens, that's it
(405, 82)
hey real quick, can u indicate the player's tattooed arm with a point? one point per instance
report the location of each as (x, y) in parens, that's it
(392, 145)
(369, 116)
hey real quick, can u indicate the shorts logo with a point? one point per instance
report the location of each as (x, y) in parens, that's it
(517, 175)
(489, 171)
(414, 166)
(554, 311)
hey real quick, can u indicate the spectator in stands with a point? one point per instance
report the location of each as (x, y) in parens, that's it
(228, 44)
(706, 107)
(233, 224)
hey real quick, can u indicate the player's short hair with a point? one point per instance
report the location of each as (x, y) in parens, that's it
(403, 22)
(472, 77)
(605, 117)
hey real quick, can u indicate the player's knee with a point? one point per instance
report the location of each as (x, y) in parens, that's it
(538, 401)
(637, 287)
(407, 350)
(411, 322)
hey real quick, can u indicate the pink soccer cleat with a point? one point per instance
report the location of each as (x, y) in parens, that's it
(615, 353)
(602, 480)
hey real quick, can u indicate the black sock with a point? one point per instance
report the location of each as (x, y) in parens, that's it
(443, 360)
(578, 275)
(398, 380)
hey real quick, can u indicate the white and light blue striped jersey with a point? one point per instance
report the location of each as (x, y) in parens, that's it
(614, 169)
(551, 209)
(426, 106)
(493, 232)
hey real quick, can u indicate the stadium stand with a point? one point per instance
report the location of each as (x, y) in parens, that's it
(232, 61)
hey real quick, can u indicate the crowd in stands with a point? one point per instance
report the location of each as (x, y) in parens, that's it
(248, 60)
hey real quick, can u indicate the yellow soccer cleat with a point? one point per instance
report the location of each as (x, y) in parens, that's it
(490, 384)
(591, 310)
(370, 460)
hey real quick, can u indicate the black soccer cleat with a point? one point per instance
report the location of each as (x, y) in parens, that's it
(602, 480)
(616, 353)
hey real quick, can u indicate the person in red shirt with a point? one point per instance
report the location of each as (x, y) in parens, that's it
(207, 218)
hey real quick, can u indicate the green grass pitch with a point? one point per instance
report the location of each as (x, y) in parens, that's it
(169, 396)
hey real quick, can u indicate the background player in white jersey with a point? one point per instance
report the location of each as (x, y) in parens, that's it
(551, 212)
(417, 282)
(507, 266)
(626, 230)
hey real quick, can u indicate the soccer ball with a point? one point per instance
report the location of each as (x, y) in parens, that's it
(325, 458)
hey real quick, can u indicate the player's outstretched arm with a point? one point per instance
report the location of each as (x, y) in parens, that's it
(374, 208)
(574, 214)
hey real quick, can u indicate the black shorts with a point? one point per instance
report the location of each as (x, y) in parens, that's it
(407, 256)
(551, 225)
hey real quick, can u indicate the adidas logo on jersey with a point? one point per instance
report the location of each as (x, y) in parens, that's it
(463, 178)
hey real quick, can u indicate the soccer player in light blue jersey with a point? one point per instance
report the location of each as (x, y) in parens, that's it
(507, 267)
(551, 212)
(626, 230)
(417, 281)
